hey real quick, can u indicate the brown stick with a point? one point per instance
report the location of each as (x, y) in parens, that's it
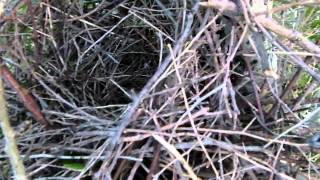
(292, 5)
(155, 161)
(132, 109)
(292, 35)
(24, 95)
(255, 90)
(268, 23)
(286, 91)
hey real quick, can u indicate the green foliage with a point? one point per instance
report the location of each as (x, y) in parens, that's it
(312, 25)
(90, 4)
(304, 81)
(315, 24)
(315, 158)
(22, 10)
(73, 165)
(305, 19)
(315, 37)
(27, 40)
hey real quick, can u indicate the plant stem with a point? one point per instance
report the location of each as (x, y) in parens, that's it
(11, 146)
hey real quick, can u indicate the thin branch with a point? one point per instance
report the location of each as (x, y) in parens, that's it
(289, 87)
(268, 23)
(261, 120)
(292, 35)
(138, 99)
(177, 155)
(293, 4)
(9, 136)
(27, 99)
(293, 58)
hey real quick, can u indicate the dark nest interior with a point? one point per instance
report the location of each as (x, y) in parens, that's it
(158, 89)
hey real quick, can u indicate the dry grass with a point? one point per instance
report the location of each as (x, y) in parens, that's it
(157, 89)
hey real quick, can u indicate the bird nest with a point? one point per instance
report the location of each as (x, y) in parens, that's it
(159, 90)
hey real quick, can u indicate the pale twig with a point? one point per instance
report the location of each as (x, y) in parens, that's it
(293, 36)
(310, 117)
(270, 24)
(127, 118)
(9, 136)
(295, 4)
(176, 153)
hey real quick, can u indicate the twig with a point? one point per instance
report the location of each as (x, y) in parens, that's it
(261, 120)
(313, 85)
(310, 117)
(293, 58)
(138, 99)
(294, 36)
(24, 95)
(176, 153)
(11, 145)
(137, 164)
(290, 85)
(270, 24)
(155, 162)
(227, 7)
(292, 5)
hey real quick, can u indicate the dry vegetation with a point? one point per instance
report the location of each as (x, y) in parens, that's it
(160, 89)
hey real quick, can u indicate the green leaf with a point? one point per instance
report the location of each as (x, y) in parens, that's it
(76, 166)
(304, 80)
(23, 9)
